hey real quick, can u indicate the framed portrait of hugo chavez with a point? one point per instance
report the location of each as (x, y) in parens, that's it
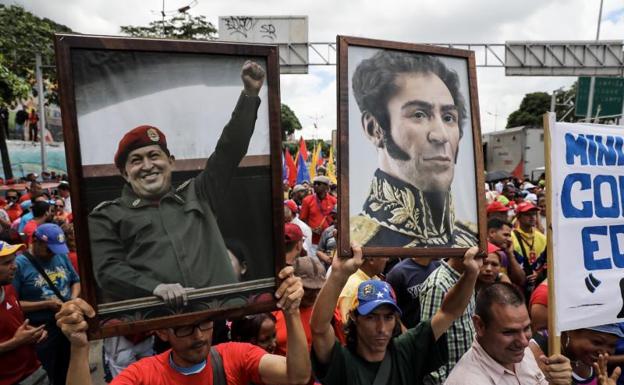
(173, 150)
(410, 159)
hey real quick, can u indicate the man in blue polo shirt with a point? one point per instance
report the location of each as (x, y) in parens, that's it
(40, 300)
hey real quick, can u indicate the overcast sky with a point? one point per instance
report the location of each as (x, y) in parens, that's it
(418, 21)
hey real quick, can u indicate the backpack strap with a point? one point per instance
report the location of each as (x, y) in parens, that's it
(42, 272)
(383, 373)
(218, 374)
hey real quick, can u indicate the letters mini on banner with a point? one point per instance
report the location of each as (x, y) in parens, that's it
(587, 200)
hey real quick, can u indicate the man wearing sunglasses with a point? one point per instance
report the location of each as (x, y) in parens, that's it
(12, 207)
(187, 361)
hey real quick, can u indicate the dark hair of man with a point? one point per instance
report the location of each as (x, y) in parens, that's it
(374, 84)
(11, 190)
(40, 208)
(246, 329)
(35, 196)
(350, 330)
(63, 186)
(497, 224)
(290, 246)
(501, 293)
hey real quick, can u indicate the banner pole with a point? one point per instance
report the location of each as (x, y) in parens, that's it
(554, 342)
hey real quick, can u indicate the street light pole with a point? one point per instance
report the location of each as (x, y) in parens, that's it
(592, 80)
(42, 117)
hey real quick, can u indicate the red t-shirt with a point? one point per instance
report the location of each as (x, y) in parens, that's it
(21, 362)
(240, 363)
(281, 335)
(29, 230)
(24, 198)
(315, 212)
(540, 295)
(73, 258)
(14, 211)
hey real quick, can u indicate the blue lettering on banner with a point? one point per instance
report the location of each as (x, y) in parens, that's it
(569, 210)
(592, 149)
(618, 256)
(591, 246)
(601, 210)
(576, 147)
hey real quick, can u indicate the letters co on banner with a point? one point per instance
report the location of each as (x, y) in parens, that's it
(587, 171)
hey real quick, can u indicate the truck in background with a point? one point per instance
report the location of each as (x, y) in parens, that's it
(517, 150)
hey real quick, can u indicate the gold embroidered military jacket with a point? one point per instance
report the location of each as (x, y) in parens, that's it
(397, 214)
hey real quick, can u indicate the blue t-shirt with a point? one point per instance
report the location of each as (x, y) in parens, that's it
(31, 286)
(406, 278)
(23, 220)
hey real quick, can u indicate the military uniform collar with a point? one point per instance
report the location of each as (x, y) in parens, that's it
(130, 199)
(403, 208)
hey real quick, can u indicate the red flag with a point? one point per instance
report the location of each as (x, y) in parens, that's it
(292, 169)
(302, 149)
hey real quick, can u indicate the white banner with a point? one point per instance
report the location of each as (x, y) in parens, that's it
(587, 170)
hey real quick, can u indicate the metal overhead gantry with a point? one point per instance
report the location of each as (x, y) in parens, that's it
(526, 58)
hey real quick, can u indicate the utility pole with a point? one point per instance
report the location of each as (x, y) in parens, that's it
(41, 127)
(592, 80)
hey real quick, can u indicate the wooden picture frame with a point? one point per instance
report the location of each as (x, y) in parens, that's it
(108, 85)
(387, 222)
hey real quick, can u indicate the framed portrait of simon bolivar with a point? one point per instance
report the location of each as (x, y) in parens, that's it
(173, 152)
(411, 167)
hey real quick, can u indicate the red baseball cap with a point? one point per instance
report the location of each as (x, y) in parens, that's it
(291, 205)
(292, 233)
(525, 207)
(138, 137)
(496, 207)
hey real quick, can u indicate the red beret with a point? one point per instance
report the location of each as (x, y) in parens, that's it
(138, 137)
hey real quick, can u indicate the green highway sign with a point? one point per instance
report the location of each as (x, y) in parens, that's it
(608, 97)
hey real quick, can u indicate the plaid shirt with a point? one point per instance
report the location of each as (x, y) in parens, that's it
(461, 333)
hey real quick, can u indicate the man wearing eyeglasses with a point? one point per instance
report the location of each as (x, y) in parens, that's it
(187, 361)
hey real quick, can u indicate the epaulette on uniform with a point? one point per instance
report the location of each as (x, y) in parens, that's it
(184, 185)
(363, 229)
(105, 203)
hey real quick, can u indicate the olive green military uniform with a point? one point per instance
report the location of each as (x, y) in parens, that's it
(138, 244)
(397, 214)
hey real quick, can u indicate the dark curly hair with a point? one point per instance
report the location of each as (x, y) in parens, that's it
(373, 85)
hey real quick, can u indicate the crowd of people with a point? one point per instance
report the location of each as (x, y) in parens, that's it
(480, 319)
(477, 319)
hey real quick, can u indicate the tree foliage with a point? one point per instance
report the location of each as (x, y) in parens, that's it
(12, 87)
(22, 35)
(532, 107)
(535, 104)
(178, 26)
(289, 121)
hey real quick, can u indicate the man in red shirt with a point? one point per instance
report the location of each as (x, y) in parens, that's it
(12, 207)
(190, 359)
(18, 359)
(42, 213)
(316, 208)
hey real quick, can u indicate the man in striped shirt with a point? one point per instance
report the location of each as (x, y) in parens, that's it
(461, 333)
